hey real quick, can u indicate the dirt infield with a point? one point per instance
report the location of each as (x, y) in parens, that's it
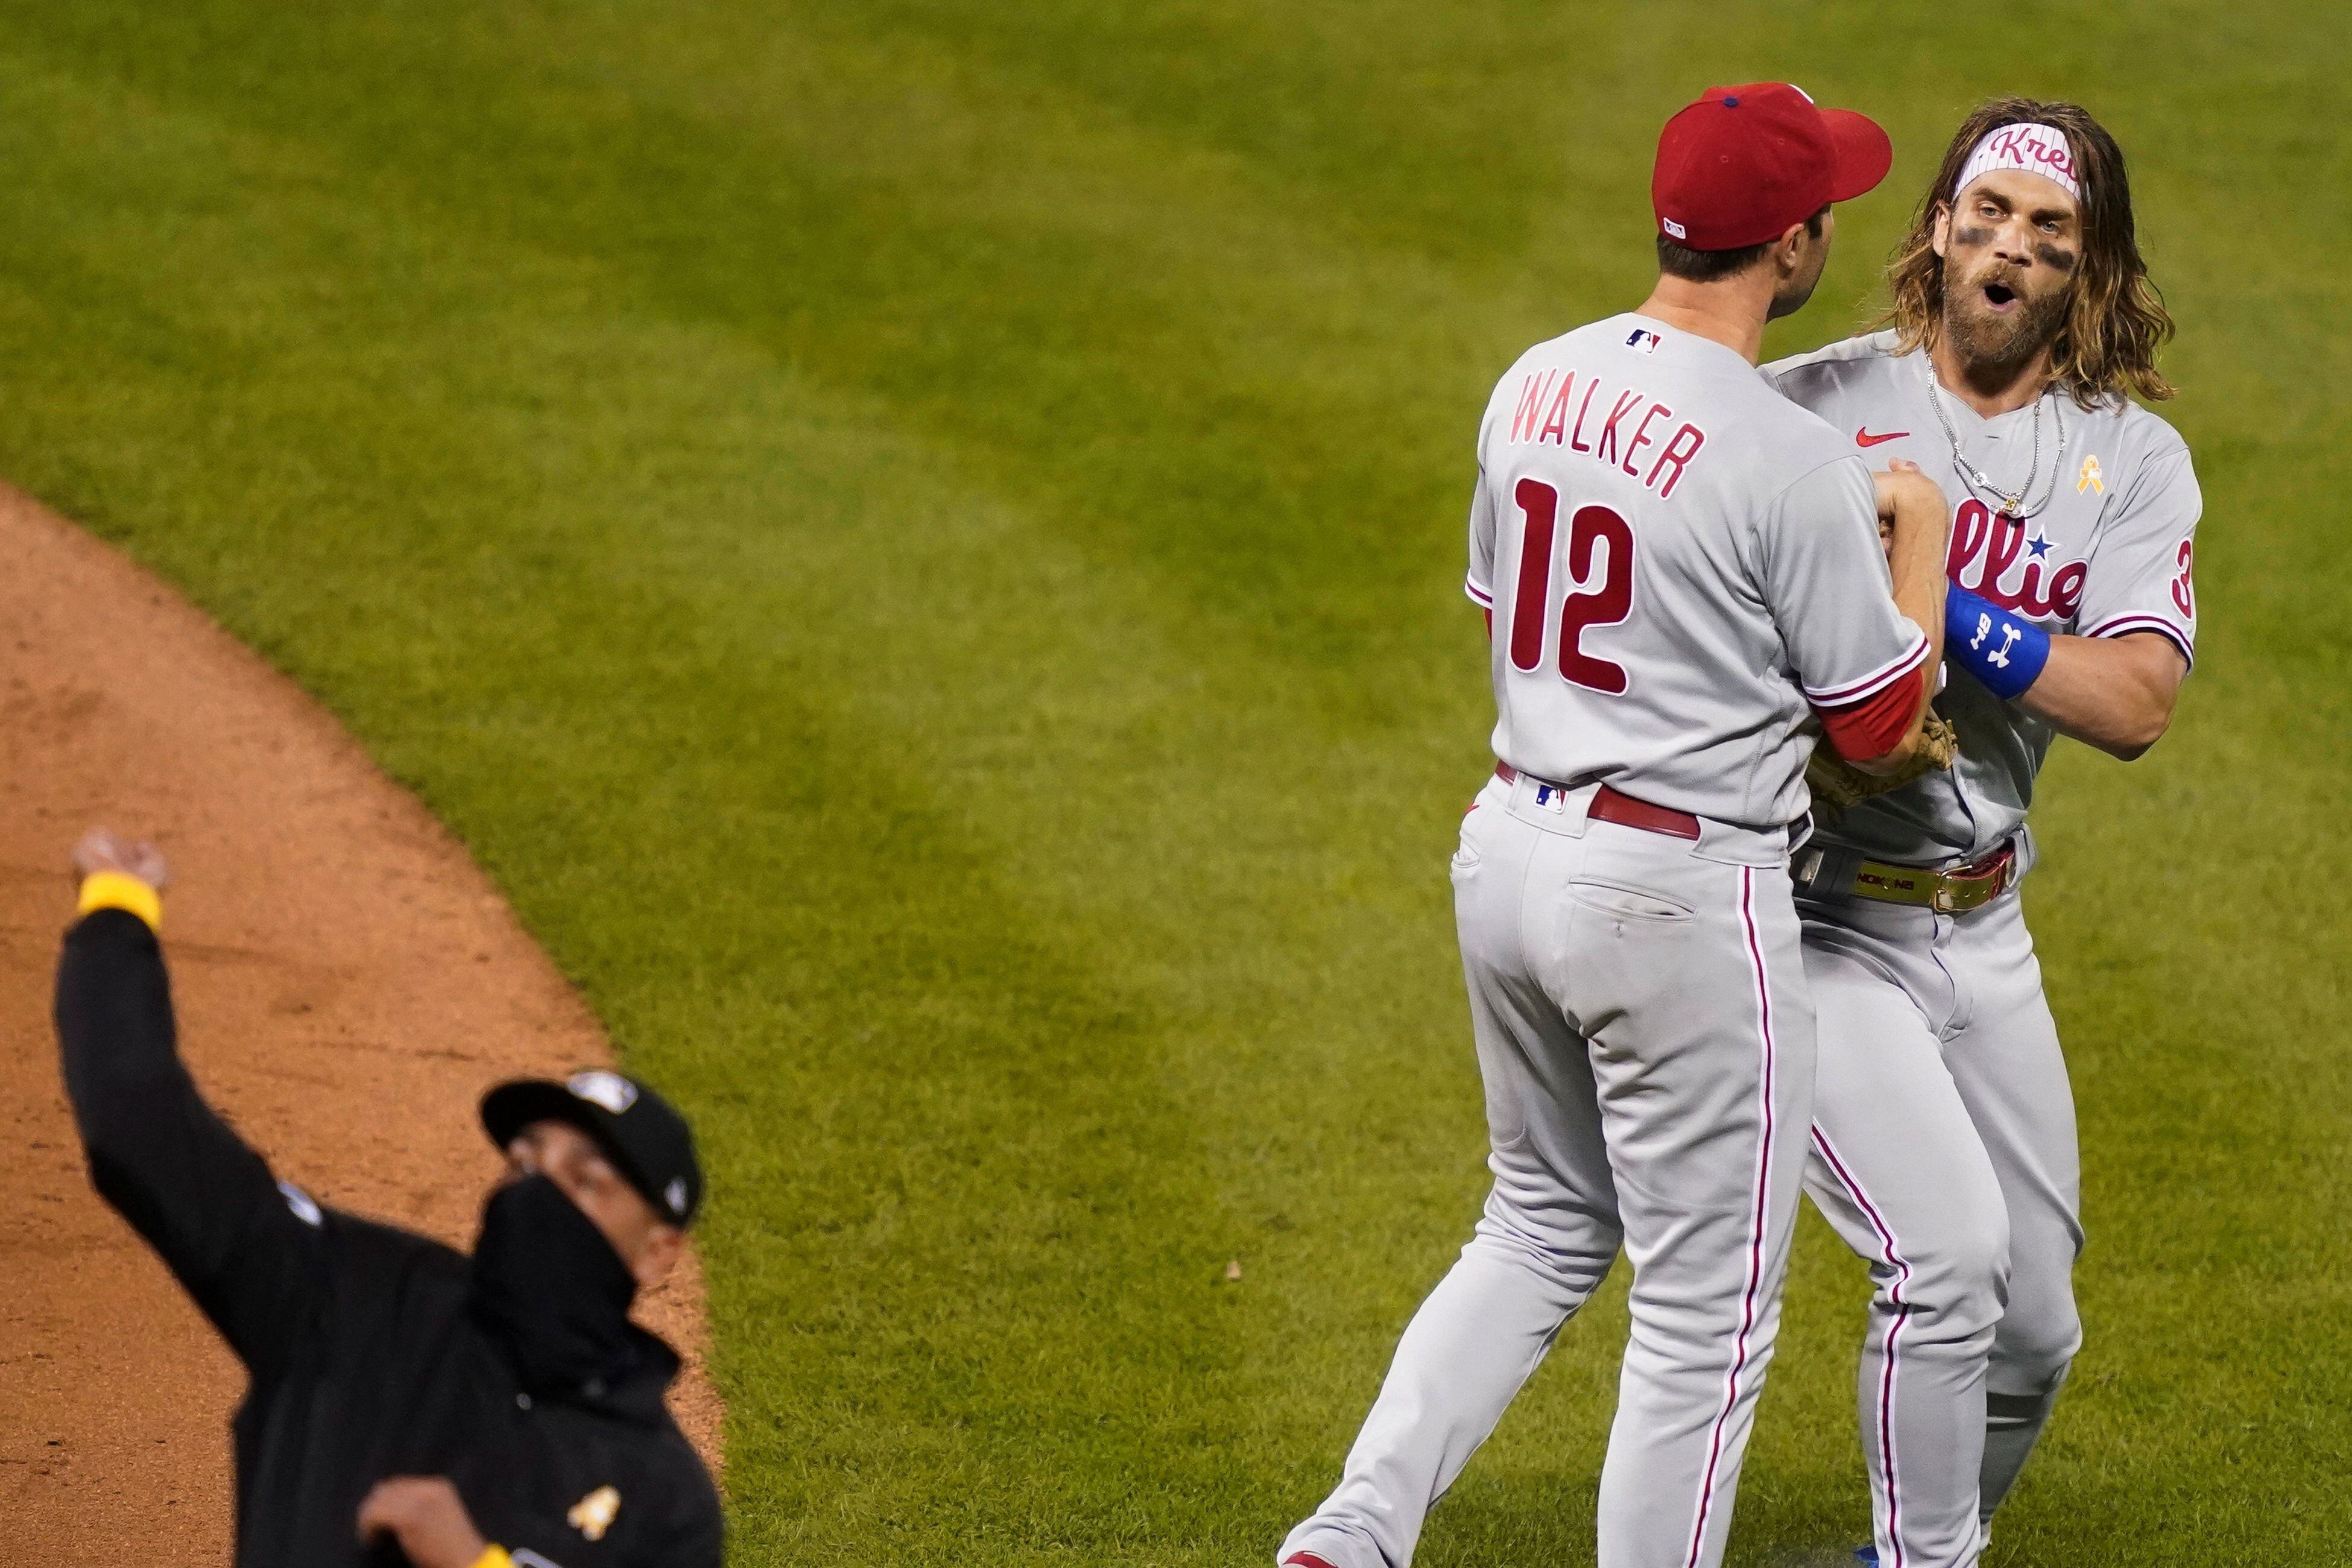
(348, 984)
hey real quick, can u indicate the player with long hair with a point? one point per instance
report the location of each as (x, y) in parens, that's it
(2023, 326)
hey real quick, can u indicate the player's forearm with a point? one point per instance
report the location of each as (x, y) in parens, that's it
(1917, 546)
(2114, 693)
(1916, 560)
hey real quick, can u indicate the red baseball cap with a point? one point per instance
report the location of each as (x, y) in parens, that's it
(1742, 163)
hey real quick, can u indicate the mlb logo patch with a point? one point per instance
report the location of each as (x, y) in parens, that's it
(1643, 341)
(1552, 797)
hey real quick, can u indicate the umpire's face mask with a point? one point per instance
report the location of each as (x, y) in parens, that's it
(549, 1285)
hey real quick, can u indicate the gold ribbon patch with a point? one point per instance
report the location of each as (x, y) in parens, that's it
(592, 1516)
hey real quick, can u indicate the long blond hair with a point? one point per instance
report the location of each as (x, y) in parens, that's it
(2114, 319)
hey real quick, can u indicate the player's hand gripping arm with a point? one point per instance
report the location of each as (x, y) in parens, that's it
(157, 1152)
(1919, 534)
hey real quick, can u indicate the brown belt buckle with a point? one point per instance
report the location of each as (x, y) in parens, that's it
(1945, 899)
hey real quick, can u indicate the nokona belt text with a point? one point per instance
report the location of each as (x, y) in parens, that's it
(1825, 872)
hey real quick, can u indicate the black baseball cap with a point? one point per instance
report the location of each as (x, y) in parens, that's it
(644, 1136)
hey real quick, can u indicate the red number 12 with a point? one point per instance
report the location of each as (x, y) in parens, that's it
(1601, 604)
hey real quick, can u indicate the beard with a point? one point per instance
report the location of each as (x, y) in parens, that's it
(2000, 341)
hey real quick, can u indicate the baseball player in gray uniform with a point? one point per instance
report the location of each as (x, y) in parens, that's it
(1943, 1146)
(1682, 568)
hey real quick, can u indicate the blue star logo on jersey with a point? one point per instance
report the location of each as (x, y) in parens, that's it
(2039, 546)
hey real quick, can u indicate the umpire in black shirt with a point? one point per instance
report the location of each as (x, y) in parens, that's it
(408, 1404)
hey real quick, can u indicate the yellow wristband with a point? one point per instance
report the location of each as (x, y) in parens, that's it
(121, 890)
(496, 1557)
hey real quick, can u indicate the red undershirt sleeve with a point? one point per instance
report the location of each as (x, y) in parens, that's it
(1877, 724)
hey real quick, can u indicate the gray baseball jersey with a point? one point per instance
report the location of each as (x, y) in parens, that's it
(2110, 554)
(1680, 563)
(1944, 1126)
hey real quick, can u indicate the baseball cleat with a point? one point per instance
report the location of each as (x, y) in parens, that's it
(1867, 1555)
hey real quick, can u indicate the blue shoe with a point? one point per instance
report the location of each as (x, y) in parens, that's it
(1867, 1555)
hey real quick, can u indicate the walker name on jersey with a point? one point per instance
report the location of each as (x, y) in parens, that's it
(1580, 413)
(1992, 542)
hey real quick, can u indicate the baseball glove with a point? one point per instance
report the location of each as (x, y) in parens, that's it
(1837, 783)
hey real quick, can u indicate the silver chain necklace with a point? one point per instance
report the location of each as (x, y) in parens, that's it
(1976, 479)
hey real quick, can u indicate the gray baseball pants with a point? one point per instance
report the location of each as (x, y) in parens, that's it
(1944, 1153)
(1647, 1042)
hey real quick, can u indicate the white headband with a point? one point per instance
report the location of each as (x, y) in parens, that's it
(2036, 149)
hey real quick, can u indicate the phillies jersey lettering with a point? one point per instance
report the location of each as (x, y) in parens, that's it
(1680, 565)
(1987, 543)
(2112, 553)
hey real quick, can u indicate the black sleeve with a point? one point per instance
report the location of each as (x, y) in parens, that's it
(705, 1542)
(692, 1533)
(204, 1202)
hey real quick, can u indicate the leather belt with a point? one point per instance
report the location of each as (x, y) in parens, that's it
(1822, 873)
(1614, 805)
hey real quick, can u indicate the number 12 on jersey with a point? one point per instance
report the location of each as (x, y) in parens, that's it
(1603, 602)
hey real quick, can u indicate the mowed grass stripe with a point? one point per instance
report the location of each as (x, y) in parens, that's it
(1174, 799)
(1187, 371)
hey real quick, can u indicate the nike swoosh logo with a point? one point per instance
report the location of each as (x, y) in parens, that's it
(1863, 437)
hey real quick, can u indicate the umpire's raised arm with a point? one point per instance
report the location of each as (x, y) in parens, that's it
(158, 1154)
(408, 1403)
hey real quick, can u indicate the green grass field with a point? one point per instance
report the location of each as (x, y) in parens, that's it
(920, 542)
